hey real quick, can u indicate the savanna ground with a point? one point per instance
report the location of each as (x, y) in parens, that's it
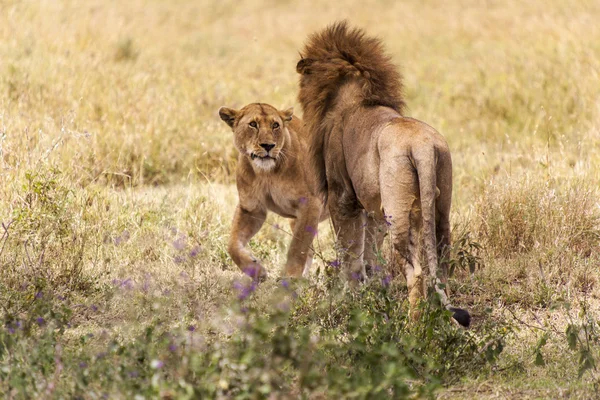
(116, 195)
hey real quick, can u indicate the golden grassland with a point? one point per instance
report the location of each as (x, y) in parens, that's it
(114, 106)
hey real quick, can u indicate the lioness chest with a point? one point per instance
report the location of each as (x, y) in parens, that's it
(281, 197)
(277, 194)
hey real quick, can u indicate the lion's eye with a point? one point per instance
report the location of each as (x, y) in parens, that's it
(253, 124)
(275, 125)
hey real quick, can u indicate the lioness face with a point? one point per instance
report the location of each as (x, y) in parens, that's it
(260, 132)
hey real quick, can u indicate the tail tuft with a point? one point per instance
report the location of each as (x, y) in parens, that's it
(461, 316)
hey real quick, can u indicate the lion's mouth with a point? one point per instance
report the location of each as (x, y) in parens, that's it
(255, 156)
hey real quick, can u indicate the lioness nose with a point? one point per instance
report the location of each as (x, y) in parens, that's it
(267, 146)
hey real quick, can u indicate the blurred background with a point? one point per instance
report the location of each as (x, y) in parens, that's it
(127, 93)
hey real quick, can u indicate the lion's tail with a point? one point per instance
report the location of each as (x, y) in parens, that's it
(428, 187)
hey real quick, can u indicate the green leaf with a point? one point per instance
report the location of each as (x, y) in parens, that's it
(586, 361)
(539, 359)
(572, 333)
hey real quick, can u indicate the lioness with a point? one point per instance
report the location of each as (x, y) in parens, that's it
(271, 176)
(373, 165)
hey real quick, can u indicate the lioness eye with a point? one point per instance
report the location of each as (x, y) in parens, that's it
(275, 125)
(253, 124)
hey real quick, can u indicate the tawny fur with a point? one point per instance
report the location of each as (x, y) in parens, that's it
(270, 176)
(374, 166)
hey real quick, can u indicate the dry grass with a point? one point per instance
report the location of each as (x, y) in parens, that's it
(121, 98)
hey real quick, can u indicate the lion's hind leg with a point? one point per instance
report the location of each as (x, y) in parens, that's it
(399, 195)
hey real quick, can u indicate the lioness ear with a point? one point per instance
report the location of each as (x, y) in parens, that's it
(286, 115)
(228, 115)
(303, 64)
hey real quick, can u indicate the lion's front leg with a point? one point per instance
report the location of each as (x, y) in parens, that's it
(374, 234)
(349, 226)
(304, 229)
(245, 225)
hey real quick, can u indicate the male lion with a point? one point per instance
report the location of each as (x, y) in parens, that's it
(270, 176)
(371, 164)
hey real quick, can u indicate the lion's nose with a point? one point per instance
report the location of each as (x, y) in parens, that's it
(267, 146)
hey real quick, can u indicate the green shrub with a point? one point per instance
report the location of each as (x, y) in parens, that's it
(365, 346)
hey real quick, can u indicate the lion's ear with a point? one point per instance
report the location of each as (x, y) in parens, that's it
(303, 64)
(286, 115)
(228, 115)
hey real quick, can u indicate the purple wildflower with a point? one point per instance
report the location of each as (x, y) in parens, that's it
(334, 263)
(157, 364)
(82, 365)
(191, 328)
(195, 251)
(385, 281)
(388, 220)
(285, 284)
(179, 259)
(39, 295)
(311, 230)
(179, 244)
(40, 321)
(10, 329)
(122, 238)
(284, 306)
(94, 307)
(127, 283)
(61, 298)
(172, 347)
(253, 271)
(244, 290)
(357, 276)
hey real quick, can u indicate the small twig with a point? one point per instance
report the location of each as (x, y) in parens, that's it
(553, 328)
(525, 323)
(542, 273)
(27, 253)
(5, 235)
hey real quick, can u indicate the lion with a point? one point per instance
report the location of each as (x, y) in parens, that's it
(270, 176)
(374, 166)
